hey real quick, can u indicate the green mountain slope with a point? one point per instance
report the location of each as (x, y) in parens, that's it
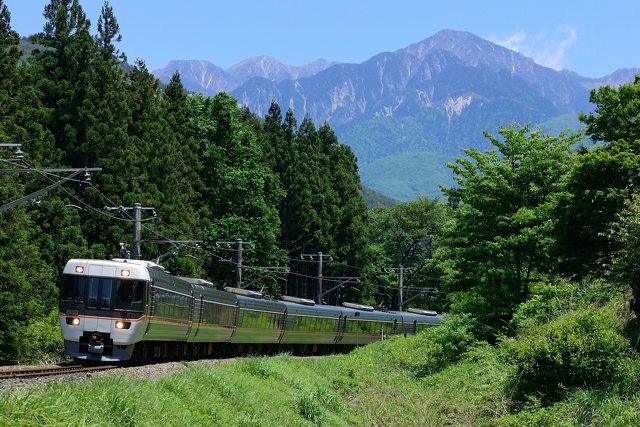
(373, 199)
(406, 175)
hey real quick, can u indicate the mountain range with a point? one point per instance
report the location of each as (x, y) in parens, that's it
(409, 112)
(208, 78)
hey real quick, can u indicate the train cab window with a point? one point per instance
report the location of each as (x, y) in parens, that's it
(92, 298)
(129, 295)
(105, 295)
(73, 288)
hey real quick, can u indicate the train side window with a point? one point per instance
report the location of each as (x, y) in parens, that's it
(163, 303)
(185, 307)
(173, 306)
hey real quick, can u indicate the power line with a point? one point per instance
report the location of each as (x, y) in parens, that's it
(73, 172)
(305, 258)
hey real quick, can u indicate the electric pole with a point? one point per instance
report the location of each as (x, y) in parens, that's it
(238, 263)
(319, 257)
(137, 209)
(238, 249)
(400, 270)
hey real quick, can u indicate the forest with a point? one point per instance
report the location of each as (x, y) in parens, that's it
(537, 224)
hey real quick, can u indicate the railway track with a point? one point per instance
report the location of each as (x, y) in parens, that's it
(22, 372)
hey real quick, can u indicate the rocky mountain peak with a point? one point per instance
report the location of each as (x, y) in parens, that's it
(473, 51)
(271, 69)
(199, 76)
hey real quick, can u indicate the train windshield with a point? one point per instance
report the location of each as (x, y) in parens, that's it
(104, 293)
(129, 295)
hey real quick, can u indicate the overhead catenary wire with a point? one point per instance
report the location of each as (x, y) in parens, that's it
(101, 212)
(50, 176)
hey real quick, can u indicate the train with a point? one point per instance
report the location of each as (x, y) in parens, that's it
(122, 310)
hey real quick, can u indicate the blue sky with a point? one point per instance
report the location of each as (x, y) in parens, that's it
(590, 37)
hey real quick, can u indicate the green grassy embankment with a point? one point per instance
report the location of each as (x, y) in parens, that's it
(441, 378)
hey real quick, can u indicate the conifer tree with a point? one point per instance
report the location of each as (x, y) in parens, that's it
(237, 178)
(66, 71)
(347, 211)
(177, 170)
(26, 283)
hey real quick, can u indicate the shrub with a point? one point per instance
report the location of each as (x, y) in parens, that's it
(423, 354)
(42, 340)
(550, 300)
(582, 349)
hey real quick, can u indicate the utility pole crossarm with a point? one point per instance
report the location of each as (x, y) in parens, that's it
(55, 170)
(72, 173)
(344, 281)
(39, 192)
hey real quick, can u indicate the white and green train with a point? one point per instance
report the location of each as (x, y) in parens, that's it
(117, 310)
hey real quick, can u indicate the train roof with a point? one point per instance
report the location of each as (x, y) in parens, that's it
(126, 269)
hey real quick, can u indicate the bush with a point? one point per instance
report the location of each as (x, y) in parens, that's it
(582, 349)
(423, 354)
(547, 302)
(550, 300)
(42, 341)
(489, 305)
(581, 408)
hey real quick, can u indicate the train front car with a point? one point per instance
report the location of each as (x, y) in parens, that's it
(102, 308)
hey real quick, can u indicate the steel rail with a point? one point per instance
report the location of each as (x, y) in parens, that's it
(51, 370)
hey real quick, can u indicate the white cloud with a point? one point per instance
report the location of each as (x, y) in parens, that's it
(546, 49)
(513, 42)
(553, 56)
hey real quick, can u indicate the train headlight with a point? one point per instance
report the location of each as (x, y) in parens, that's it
(125, 273)
(79, 269)
(74, 321)
(122, 325)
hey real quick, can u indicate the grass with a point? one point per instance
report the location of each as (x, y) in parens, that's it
(582, 408)
(439, 378)
(278, 391)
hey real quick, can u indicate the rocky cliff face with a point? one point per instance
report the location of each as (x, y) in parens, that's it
(199, 76)
(435, 73)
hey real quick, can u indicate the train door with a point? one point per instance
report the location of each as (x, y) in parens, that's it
(198, 316)
(342, 325)
(99, 304)
(191, 314)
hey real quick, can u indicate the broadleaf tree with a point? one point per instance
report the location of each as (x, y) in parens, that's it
(601, 181)
(502, 236)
